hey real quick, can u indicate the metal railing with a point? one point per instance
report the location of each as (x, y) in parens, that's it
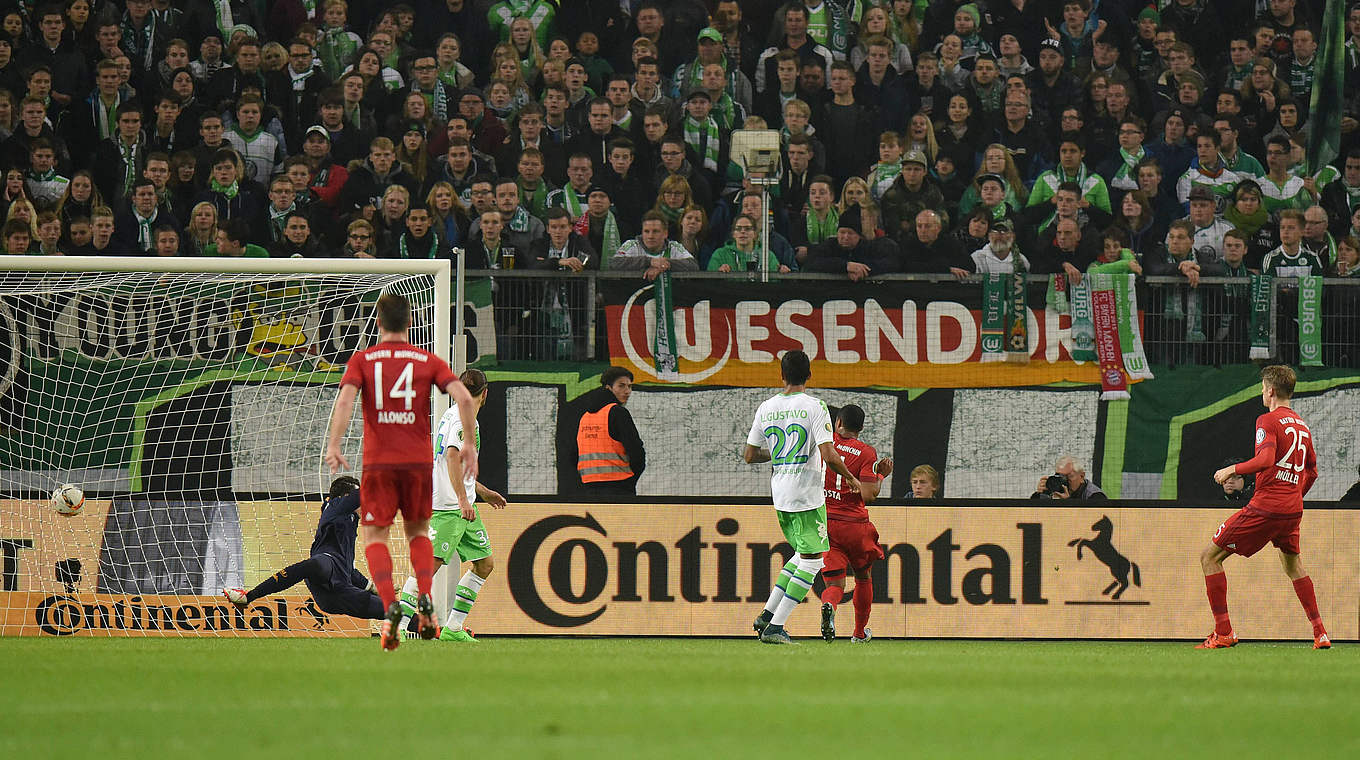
(552, 316)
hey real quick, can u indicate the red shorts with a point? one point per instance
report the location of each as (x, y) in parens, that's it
(388, 490)
(854, 547)
(1250, 529)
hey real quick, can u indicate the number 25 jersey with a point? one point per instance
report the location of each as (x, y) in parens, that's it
(1293, 462)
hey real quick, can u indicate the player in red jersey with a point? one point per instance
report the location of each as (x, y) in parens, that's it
(854, 540)
(394, 378)
(1285, 465)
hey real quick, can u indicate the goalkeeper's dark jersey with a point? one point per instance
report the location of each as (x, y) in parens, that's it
(336, 529)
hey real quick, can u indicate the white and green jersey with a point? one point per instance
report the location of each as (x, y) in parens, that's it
(450, 436)
(792, 426)
(1289, 194)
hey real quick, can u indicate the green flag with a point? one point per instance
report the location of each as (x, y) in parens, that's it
(1328, 98)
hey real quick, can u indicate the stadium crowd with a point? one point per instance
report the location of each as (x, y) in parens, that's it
(917, 136)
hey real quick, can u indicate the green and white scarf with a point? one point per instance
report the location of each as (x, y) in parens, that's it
(704, 139)
(609, 239)
(664, 350)
(1310, 325)
(571, 203)
(886, 172)
(1130, 333)
(1124, 177)
(1017, 315)
(144, 239)
(225, 22)
(1083, 330)
(725, 113)
(277, 219)
(534, 199)
(229, 191)
(404, 252)
(336, 49)
(1260, 316)
(817, 231)
(519, 221)
(995, 286)
(129, 154)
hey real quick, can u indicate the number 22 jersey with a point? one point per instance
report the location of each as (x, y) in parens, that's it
(792, 426)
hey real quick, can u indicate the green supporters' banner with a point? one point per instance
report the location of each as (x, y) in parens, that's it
(994, 292)
(1130, 333)
(1083, 328)
(1310, 323)
(663, 343)
(1260, 316)
(1328, 96)
(480, 323)
(1017, 318)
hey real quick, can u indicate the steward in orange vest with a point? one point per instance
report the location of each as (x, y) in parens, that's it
(609, 452)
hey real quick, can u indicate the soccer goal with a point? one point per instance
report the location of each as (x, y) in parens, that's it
(188, 400)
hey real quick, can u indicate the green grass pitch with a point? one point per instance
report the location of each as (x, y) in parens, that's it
(561, 698)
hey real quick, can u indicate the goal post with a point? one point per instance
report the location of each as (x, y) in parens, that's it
(189, 399)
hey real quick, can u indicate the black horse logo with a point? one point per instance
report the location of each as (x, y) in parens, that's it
(1105, 552)
(319, 619)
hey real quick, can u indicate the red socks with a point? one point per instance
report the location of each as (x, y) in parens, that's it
(380, 567)
(833, 595)
(864, 602)
(1303, 588)
(422, 562)
(1217, 587)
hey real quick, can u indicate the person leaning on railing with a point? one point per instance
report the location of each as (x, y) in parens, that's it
(743, 253)
(851, 253)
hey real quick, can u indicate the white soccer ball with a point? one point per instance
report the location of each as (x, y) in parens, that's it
(68, 499)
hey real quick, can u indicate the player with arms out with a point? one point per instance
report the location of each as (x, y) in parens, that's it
(456, 527)
(394, 378)
(1285, 465)
(797, 429)
(854, 540)
(337, 586)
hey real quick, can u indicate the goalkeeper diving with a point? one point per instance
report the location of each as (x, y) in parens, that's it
(336, 585)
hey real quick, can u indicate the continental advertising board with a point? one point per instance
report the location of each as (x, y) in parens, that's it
(124, 568)
(1008, 571)
(678, 570)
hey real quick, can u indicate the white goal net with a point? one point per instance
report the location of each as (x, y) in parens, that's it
(191, 409)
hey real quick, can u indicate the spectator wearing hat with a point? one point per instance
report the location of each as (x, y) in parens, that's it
(1171, 149)
(852, 253)
(1051, 86)
(909, 194)
(690, 74)
(706, 146)
(1000, 253)
(488, 131)
(601, 227)
(327, 176)
(1105, 59)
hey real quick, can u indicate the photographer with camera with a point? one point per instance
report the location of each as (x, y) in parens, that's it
(1068, 481)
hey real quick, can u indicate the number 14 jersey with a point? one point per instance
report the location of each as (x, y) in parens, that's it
(394, 380)
(792, 426)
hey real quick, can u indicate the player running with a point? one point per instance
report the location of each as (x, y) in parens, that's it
(1286, 467)
(337, 586)
(797, 428)
(394, 377)
(456, 527)
(854, 540)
